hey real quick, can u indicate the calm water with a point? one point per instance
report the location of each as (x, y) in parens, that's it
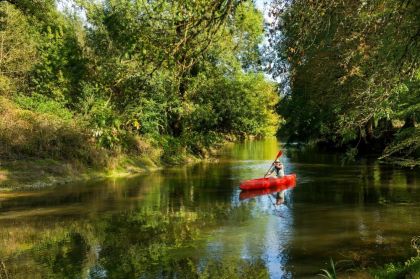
(190, 223)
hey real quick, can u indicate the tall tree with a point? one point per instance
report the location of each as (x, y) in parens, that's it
(351, 64)
(18, 42)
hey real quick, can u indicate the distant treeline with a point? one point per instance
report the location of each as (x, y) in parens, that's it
(352, 74)
(130, 76)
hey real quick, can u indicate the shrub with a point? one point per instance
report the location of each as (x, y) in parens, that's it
(410, 269)
(25, 133)
(44, 105)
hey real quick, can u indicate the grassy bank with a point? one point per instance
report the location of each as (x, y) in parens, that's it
(409, 269)
(39, 148)
(46, 145)
(32, 174)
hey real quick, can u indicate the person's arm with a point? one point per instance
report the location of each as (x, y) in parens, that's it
(270, 171)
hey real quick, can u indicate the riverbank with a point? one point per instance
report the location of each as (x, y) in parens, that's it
(40, 148)
(38, 173)
(35, 174)
(408, 269)
(351, 153)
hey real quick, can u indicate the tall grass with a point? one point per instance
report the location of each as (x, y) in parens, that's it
(25, 133)
(408, 269)
(329, 274)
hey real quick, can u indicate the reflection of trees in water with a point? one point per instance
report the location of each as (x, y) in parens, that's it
(67, 257)
(254, 150)
(164, 245)
(359, 229)
(154, 234)
(160, 225)
(43, 250)
(364, 212)
(366, 182)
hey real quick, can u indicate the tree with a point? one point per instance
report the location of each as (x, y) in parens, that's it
(18, 42)
(349, 65)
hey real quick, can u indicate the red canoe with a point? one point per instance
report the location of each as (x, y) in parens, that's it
(262, 183)
(247, 194)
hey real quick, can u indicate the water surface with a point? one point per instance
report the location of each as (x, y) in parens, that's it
(188, 222)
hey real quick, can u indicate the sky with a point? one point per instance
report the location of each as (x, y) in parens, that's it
(260, 4)
(263, 6)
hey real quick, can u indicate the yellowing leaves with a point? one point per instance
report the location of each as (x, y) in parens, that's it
(355, 71)
(136, 124)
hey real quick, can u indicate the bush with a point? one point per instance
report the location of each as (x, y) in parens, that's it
(410, 269)
(173, 150)
(141, 146)
(99, 113)
(43, 104)
(25, 133)
(200, 143)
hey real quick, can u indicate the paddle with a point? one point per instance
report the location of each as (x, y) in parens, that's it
(278, 155)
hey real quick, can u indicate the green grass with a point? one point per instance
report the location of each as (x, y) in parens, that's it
(409, 269)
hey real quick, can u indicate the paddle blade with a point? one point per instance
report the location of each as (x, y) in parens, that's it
(279, 154)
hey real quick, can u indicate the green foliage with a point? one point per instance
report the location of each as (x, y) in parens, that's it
(200, 142)
(26, 133)
(41, 10)
(18, 42)
(415, 244)
(410, 269)
(181, 74)
(405, 149)
(148, 117)
(248, 30)
(42, 104)
(61, 65)
(104, 122)
(234, 103)
(327, 274)
(173, 150)
(352, 68)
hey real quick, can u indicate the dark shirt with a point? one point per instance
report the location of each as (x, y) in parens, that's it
(279, 171)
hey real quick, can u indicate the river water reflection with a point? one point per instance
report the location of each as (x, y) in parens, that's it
(189, 222)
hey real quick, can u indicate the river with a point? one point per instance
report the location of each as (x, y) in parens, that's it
(189, 221)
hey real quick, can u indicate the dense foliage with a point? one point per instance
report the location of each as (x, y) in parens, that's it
(351, 73)
(177, 75)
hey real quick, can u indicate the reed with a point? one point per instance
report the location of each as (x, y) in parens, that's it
(330, 274)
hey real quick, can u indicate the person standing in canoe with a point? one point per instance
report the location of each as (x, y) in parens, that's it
(277, 170)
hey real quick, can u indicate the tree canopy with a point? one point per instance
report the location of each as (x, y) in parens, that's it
(181, 74)
(353, 71)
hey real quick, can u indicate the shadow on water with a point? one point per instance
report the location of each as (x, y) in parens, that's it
(192, 222)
